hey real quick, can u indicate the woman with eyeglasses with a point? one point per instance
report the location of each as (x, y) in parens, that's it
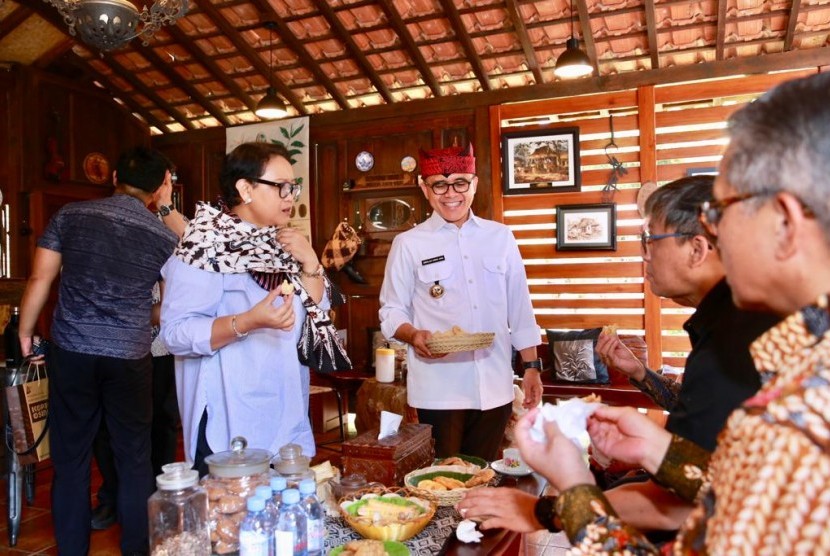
(245, 312)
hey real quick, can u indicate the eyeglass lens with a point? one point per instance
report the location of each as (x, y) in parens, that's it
(441, 187)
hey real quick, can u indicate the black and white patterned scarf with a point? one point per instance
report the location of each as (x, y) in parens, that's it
(219, 241)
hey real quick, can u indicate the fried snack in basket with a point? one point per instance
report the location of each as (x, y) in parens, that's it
(429, 484)
(448, 482)
(446, 485)
(481, 478)
(387, 514)
(455, 460)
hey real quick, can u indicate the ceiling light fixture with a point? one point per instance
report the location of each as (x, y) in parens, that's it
(574, 62)
(109, 24)
(271, 106)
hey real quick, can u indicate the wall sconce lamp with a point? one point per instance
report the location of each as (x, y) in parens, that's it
(110, 24)
(574, 62)
(271, 106)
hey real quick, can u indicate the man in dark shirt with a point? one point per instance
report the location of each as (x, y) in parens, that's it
(681, 264)
(108, 253)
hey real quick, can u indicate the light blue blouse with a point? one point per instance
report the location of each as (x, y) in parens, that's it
(253, 387)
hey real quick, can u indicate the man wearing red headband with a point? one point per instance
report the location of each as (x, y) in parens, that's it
(456, 269)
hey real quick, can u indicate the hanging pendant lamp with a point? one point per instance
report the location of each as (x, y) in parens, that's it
(574, 62)
(271, 106)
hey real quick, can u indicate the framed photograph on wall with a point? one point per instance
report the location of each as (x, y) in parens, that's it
(540, 161)
(586, 227)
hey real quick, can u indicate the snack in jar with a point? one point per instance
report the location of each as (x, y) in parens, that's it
(233, 476)
(178, 513)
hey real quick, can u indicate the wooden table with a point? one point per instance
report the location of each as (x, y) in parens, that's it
(497, 542)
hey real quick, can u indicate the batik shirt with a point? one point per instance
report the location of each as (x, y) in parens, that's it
(765, 489)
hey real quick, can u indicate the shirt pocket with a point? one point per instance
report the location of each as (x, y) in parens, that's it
(440, 273)
(494, 277)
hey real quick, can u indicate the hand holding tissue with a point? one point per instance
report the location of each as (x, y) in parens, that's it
(571, 416)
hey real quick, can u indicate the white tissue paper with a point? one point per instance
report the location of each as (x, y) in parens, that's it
(389, 424)
(466, 531)
(571, 416)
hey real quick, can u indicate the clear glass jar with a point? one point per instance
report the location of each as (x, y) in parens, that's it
(293, 465)
(178, 513)
(232, 477)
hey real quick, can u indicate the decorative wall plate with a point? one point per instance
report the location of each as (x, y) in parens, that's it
(364, 161)
(96, 168)
(408, 164)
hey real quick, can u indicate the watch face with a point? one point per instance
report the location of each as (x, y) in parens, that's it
(364, 161)
(408, 164)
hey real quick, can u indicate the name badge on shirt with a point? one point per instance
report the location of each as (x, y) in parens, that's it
(437, 259)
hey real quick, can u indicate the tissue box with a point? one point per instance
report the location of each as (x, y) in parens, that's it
(389, 460)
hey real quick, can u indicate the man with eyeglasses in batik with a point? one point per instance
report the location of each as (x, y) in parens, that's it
(457, 269)
(682, 265)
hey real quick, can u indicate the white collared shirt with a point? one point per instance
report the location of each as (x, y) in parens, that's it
(485, 290)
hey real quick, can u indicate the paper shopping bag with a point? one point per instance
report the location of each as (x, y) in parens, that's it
(28, 405)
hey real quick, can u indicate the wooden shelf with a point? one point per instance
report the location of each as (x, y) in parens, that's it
(385, 189)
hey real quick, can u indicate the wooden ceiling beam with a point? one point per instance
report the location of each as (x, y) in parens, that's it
(587, 32)
(113, 91)
(651, 27)
(410, 47)
(210, 64)
(247, 51)
(344, 37)
(524, 40)
(296, 46)
(720, 40)
(177, 80)
(452, 15)
(15, 18)
(589, 85)
(795, 8)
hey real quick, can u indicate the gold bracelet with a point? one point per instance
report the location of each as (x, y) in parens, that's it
(318, 273)
(236, 331)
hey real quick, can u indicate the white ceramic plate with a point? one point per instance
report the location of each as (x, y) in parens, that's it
(364, 161)
(500, 467)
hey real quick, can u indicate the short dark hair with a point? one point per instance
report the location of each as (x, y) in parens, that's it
(143, 168)
(676, 204)
(247, 160)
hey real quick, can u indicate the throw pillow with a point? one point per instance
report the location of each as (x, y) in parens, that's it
(574, 357)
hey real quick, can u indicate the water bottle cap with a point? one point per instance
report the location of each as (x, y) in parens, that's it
(278, 484)
(291, 496)
(307, 486)
(263, 492)
(256, 504)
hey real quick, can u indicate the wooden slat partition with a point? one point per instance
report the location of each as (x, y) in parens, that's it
(678, 127)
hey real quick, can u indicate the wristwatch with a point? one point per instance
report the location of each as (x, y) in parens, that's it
(545, 513)
(535, 364)
(165, 210)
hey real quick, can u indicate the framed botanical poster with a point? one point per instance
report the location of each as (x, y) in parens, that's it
(586, 227)
(540, 161)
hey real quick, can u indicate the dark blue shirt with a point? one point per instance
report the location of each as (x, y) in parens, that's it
(112, 251)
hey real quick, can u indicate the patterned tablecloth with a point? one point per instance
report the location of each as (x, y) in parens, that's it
(428, 542)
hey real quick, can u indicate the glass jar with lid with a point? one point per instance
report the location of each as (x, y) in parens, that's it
(178, 513)
(293, 465)
(232, 477)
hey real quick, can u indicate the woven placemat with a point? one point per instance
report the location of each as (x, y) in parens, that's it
(460, 342)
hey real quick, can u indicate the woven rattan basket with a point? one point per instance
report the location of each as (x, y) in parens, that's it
(366, 526)
(460, 342)
(441, 497)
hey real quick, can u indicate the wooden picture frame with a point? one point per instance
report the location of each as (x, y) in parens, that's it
(540, 161)
(586, 227)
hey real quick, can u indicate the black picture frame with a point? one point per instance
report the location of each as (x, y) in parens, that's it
(587, 227)
(540, 161)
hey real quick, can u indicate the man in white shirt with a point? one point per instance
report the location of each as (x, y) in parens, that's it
(456, 269)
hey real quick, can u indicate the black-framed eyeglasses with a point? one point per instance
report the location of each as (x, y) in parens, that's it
(711, 212)
(646, 238)
(287, 188)
(440, 187)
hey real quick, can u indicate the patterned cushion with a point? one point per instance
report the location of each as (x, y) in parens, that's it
(574, 358)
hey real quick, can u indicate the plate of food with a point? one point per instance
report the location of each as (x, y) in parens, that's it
(456, 340)
(370, 547)
(515, 468)
(447, 484)
(388, 515)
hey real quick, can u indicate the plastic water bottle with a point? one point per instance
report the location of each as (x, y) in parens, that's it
(264, 492)
(291, 532)
(278, 484)
(315, 515)
(256, 534)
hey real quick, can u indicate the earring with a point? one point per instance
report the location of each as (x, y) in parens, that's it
(248, 201)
